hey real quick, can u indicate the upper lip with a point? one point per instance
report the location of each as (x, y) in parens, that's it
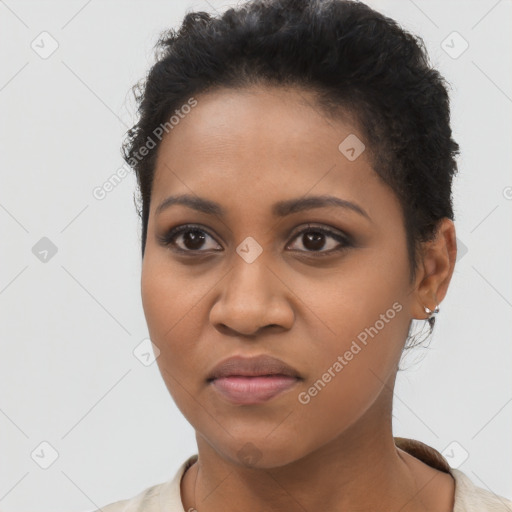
(252, 367)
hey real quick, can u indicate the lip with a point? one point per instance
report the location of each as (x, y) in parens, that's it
(258, 366)
(253, 380)
(252, 390)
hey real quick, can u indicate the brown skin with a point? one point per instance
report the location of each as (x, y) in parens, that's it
(246, 150)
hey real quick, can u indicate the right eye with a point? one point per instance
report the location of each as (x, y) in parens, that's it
(192, 239)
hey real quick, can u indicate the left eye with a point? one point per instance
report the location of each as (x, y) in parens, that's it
(313, 239)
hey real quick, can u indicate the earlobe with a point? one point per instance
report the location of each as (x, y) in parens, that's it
(438, 262)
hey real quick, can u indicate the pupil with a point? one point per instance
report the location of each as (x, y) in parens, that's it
(314, 240)
(193, 239)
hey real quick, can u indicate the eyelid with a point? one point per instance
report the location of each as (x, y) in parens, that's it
(340, 236)
(310, 226)
(172, 233)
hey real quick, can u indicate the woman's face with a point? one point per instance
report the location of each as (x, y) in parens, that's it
(248, 283)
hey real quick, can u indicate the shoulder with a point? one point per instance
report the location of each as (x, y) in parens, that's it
(471, 498)
(468, 497)
(146, 501)
(157, 498)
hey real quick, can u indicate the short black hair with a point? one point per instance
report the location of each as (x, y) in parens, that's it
(356, 60)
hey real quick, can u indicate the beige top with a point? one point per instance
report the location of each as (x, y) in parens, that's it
(166, 496)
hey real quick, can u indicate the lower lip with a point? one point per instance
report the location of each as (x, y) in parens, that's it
(252, 390)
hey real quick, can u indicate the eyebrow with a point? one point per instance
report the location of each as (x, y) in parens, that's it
(280, 209)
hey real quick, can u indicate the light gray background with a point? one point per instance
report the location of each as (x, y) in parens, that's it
(69, 326)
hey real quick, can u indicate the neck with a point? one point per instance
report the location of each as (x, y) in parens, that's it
(361, 469)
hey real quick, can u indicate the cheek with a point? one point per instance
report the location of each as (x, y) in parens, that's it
(362, 324)
(366, 299)
(167, 296)
(171, 307)
(365, 347)
(350, 371)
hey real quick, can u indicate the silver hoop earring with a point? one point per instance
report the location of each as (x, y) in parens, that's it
(430, 313)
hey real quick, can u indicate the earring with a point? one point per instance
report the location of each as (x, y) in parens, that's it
(431, 313)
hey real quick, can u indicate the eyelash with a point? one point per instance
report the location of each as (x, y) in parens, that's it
(168, 239)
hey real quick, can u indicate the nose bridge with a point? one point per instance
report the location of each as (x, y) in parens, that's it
(247, 300)
(250, 280)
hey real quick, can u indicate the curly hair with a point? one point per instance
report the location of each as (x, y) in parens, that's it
(355, 60)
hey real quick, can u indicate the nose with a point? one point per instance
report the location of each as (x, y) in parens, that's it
(252, 298)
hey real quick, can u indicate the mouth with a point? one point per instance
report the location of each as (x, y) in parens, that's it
(251, 390)
(252, 380)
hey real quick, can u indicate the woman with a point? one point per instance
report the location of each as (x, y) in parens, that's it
(295, 164)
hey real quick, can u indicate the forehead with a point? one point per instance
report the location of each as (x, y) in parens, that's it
(262, 142)
(277, 118)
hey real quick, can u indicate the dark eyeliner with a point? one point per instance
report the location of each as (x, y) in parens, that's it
(167, 239)
(345, 240)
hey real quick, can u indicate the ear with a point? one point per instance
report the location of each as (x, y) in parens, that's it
(435, 269)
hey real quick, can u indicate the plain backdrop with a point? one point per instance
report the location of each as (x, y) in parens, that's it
(73, 394)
